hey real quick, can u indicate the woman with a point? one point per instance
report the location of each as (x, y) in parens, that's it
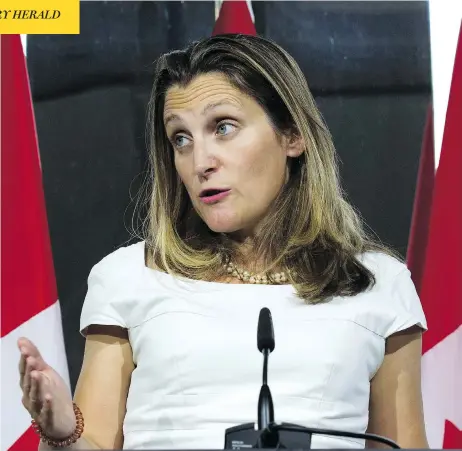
(245, 212)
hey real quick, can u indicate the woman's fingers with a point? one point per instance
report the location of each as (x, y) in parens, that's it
(30, 350)
(24, 342)
(35, 397)
(22, 369)
(44, 387)
(45, 413)
(38, 399)
(35, 385)
(31, 389)
(26, 379)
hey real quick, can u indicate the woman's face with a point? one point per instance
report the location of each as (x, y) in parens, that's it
(227, 154)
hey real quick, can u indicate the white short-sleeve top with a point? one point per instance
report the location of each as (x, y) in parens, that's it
(198, 370)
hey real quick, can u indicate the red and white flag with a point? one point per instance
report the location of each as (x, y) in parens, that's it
(435, 259)
(236, 16)
(29, 302)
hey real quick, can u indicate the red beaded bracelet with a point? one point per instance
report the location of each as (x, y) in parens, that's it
(67, 441)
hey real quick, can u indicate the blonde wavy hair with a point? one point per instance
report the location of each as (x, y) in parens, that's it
(310, 229)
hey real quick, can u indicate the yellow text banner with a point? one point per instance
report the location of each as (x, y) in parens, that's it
(39, 16)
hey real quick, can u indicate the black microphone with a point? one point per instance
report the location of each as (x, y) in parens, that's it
(251, 435)
(265, 331)
(265, 343)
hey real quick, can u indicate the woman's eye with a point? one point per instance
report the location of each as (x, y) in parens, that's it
(224, 128)
(180, 141)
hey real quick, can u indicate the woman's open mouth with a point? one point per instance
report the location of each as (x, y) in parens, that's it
(210, 196)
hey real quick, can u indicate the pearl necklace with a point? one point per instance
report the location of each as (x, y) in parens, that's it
(247, 277)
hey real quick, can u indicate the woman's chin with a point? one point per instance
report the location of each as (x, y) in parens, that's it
(226, 220)
(222, 228)
(220, 225)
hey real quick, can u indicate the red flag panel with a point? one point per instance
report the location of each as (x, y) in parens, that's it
(234, 18)
(28, 283)
(441, 291)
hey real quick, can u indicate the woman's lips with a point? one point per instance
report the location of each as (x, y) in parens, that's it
(215, 197)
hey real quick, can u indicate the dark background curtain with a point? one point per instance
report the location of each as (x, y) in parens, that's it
(368, 64)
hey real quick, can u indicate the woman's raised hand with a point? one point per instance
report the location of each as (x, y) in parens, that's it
(45, 394)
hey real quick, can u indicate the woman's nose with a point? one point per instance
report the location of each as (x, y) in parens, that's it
(205, 162)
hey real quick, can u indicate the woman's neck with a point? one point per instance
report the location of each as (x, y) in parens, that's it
(250, 259)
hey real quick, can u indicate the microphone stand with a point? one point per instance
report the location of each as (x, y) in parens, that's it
(269, 437)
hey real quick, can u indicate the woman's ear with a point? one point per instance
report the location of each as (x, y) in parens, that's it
(294, 145)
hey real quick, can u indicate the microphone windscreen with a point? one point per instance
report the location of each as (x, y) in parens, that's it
(265, 331)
